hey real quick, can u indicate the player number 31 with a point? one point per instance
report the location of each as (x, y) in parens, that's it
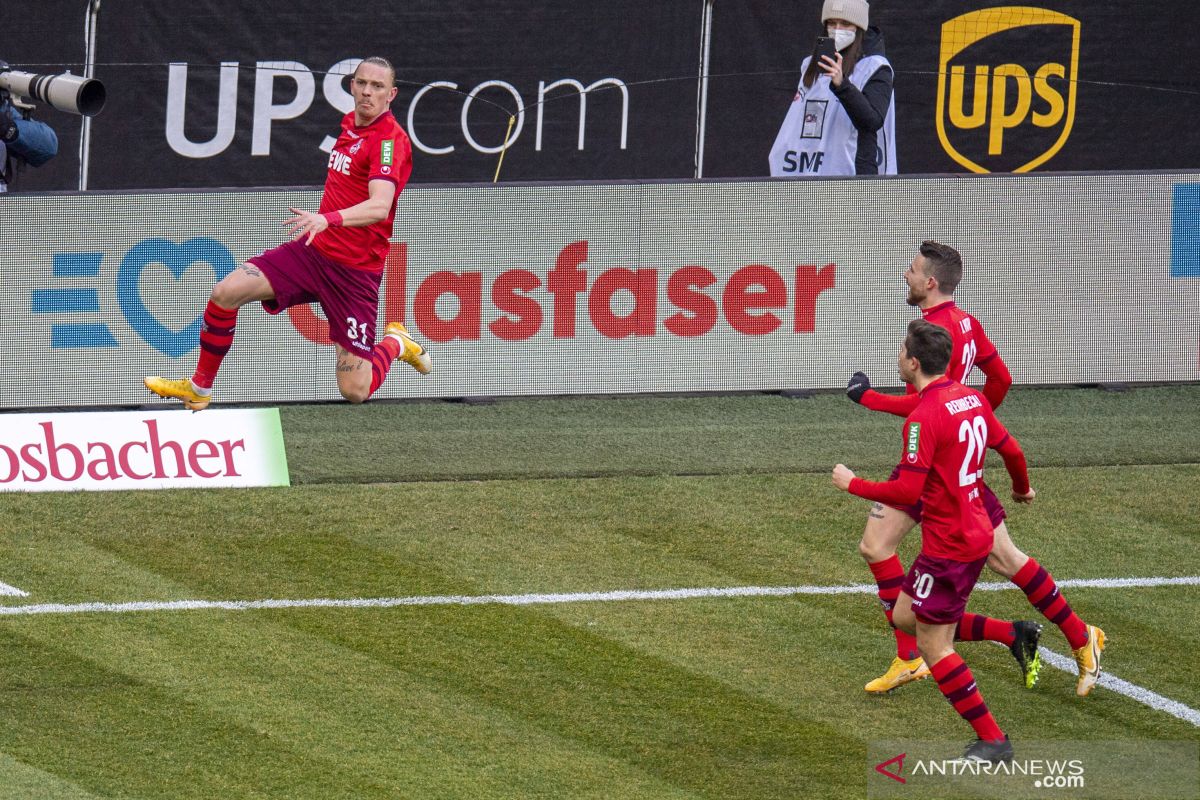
(356, 330)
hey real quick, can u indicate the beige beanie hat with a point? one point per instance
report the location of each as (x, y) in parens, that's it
(850, 10)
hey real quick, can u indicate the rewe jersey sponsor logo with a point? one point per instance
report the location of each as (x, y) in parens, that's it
(1006, 87)
(339, 162)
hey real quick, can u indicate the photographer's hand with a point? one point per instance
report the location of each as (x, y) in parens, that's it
(833, 68)
(8, 128)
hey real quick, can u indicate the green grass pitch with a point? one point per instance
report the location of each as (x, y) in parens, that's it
(751, 697)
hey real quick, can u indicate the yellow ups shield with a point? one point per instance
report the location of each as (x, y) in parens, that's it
(1006, 87)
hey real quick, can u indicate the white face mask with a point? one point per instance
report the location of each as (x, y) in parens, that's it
(841, 38)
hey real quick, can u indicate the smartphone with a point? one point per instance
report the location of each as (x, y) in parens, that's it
(824, 48)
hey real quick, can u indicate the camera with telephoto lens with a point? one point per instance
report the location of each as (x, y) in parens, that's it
(65, 92)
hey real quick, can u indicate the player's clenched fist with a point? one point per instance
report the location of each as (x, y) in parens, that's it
(842, 475)
(857, 387)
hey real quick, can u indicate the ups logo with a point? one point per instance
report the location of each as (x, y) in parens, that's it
(1006, 87)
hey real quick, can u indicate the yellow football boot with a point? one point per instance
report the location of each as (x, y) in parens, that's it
(413, 354)
(181, 389)
(898, 674)
(1088, 659)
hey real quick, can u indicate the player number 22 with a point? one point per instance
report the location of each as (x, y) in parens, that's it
(356, 329)
(974, 433)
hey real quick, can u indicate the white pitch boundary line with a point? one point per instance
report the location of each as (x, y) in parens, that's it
(538, 599)
(1133, 691)
(11, 591)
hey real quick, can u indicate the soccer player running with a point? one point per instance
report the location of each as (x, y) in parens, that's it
(932, 278)
(945, 439)
(335, 256)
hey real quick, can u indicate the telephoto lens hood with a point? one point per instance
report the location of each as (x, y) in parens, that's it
(65, 92)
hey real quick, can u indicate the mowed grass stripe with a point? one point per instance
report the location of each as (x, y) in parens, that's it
(27, 781)
(746, 434)
(568, 535)
(306, 700)
(1063, 663)
(531, 669)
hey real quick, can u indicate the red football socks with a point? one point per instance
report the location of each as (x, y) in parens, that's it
(957, 683)
(216, 337)
(889, 576)
(387, 351)
(977, 628)
(1042, 591)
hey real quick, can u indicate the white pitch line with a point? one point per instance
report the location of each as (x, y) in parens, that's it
(1133, 691)
(536, 599)
(11, 591)
(1101, 583)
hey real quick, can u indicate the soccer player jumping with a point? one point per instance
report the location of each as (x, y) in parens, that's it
(932, 277)
(945, 439)
(335, 257)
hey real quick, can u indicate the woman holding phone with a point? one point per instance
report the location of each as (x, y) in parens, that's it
(842, 120)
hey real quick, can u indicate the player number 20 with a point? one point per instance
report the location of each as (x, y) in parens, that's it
(923, 585)
(356, 329)
(968, 358)
(974, 433)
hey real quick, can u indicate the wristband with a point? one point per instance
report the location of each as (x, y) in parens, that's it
(334, 218)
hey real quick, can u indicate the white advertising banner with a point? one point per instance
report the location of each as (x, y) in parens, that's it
(96, 451)
(616, 288)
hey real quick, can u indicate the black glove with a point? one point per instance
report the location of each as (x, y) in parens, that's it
(8, 128)
(857, 387)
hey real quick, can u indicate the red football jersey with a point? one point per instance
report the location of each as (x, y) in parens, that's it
(379, 151)
(945, 439)
(972, 348)
(971, 344)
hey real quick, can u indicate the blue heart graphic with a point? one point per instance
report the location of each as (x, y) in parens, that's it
(177, 258)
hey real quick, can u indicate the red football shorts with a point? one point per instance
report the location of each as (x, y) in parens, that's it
(939, 587)
(349, 297)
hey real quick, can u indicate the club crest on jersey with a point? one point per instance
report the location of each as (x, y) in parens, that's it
(356, 146)
(913, 444)
(385, 152)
